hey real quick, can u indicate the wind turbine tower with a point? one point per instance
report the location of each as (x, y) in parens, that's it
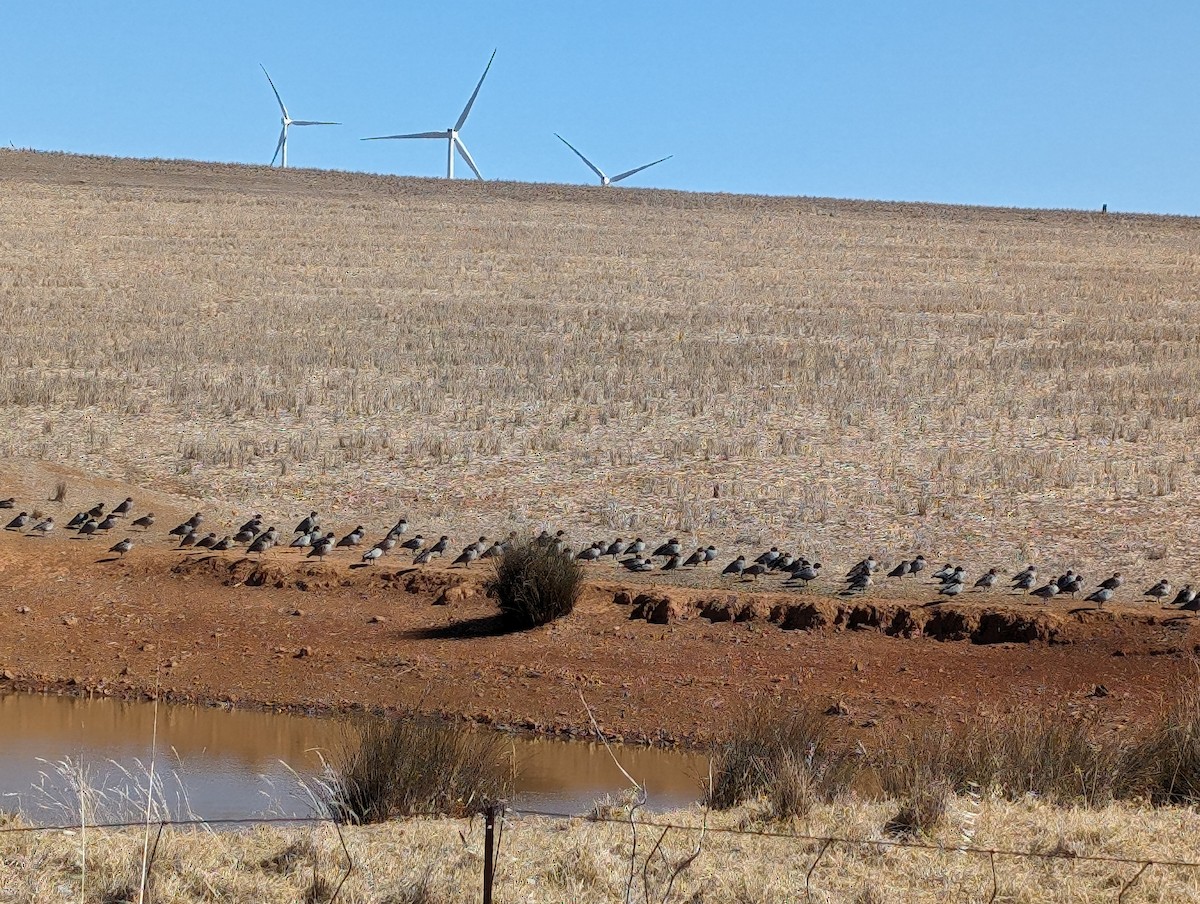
(450, 136)
(287, 121)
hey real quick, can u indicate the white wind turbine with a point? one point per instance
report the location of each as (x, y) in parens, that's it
(607, 180)
(288, 121)
(451, 137)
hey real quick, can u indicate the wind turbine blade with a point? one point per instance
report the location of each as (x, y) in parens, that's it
(467, 109)
(279, 146)
(282, 108)
(640, 168)
(595, 169)
(462, 149)
(311, 122)
(413, 135)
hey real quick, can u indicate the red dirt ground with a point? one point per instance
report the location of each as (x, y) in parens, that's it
(335, 637)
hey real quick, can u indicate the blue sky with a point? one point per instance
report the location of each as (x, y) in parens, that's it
(1032, 104)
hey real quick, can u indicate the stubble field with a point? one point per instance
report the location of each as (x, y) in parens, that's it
(836, 378)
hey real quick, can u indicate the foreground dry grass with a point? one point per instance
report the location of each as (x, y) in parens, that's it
(989, 385)
(554, 861)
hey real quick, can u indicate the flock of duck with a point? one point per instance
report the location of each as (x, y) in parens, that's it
(635, 555)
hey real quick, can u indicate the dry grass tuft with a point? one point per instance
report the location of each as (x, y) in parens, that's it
(922, 809)
(1047, 753)
(416, 765)
(1164, 764)
(782, 756)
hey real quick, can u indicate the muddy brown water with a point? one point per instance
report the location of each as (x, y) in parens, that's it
(234, 764)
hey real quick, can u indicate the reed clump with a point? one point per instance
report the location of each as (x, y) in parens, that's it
(416, 765)
(784, 757)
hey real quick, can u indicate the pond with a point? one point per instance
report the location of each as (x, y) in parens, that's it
(213, 763)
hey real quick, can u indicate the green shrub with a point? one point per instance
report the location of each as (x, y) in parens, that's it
(534, 585)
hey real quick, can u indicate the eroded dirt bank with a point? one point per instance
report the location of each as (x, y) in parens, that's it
(655, 663)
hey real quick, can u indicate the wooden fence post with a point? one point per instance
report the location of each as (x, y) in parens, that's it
(489, 851)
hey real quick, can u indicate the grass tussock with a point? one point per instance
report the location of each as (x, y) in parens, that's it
(535, 584)
(1164, 763)
(782, 756)
(1046, 753)
(416, 765)
(787, 761)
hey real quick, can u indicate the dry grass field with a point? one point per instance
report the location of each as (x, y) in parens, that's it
(987, 385)
(554, 861)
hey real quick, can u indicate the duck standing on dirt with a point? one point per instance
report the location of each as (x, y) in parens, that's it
(260, 544)
(322, 547)
(988, 581)
(43, 527)
(806, 571)
(766, 558)
(859, 583)
(1024, 580)
(121, 548)
(1072, 586)
(1100, 595)
(591, 554)
(254, 524)
(18, 522)
(1185, 597)
(181, 530)
(1047, 591)
(145, 522)
(466, 557)
(304, 540)
(1159, 591)
(354, 538)
(736, 567)
(753, 571)
(952, 588)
